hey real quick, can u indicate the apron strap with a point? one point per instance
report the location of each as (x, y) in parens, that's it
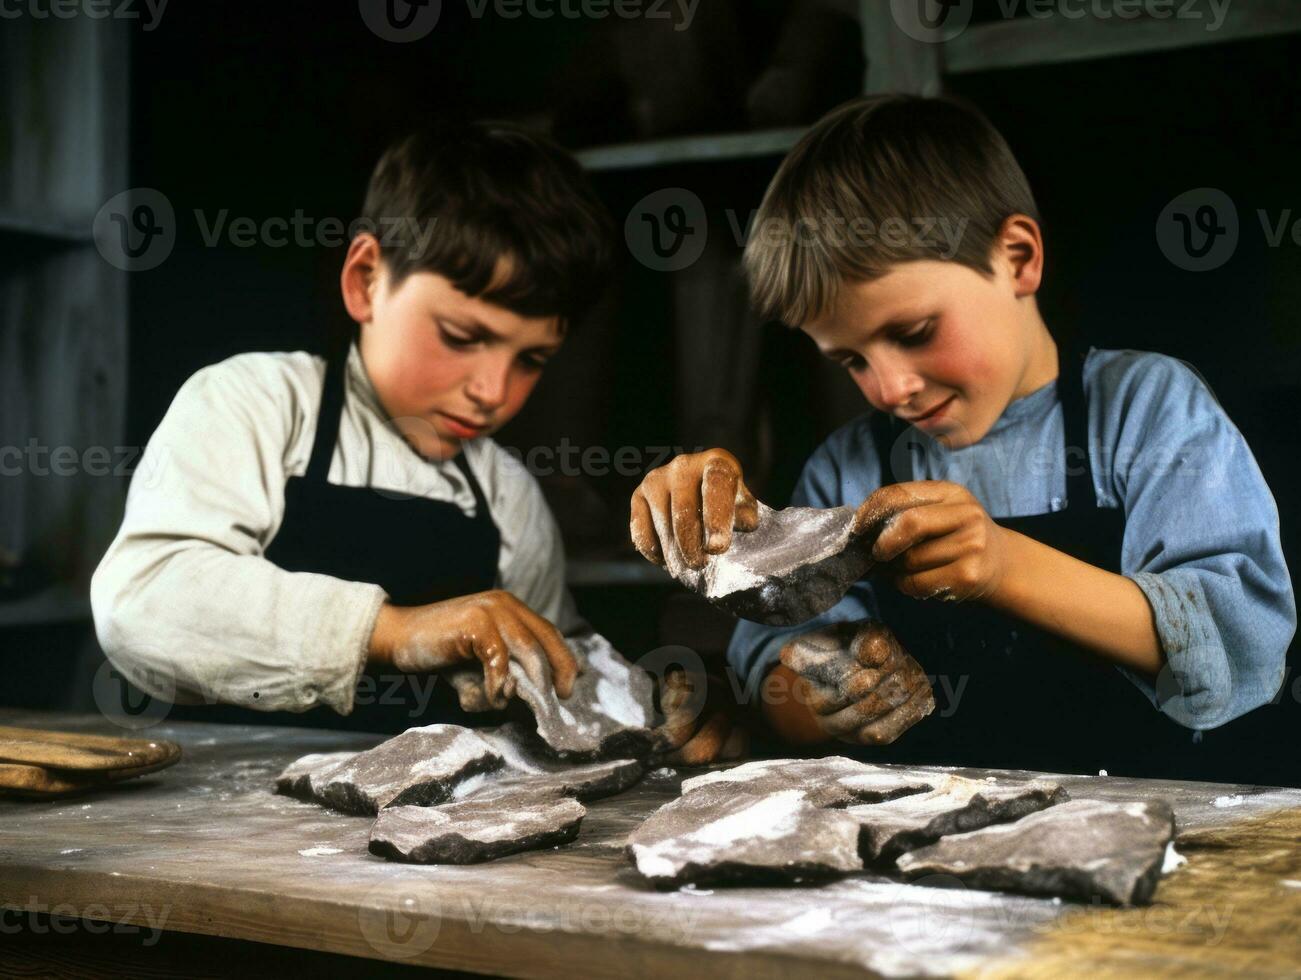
(327, 435)
(481, 510)
(1080, 493)
(327, 419)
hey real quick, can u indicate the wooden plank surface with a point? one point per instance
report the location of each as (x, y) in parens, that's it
(206, 847)
(1056, 39)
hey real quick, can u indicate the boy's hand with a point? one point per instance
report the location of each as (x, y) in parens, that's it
(936, 540)
(702, 497)
(849, 681)
(490, 627)
(697, 731)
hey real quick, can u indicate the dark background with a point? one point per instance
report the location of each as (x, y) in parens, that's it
(265, 109)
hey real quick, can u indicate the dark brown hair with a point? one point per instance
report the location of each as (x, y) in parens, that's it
(884, 158)
(513, 220)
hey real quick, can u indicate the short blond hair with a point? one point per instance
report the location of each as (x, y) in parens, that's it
(912, 164)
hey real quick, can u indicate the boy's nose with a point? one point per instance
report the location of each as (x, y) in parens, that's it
(488, 386)
(896, 386)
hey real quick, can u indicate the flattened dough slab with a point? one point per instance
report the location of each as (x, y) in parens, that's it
(1083, 849)
(487, 826)
(421, 766)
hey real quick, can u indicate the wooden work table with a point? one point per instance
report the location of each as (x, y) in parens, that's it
(206, 847)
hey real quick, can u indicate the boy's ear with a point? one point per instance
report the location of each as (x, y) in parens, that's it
(360, 277)
(1020, 248)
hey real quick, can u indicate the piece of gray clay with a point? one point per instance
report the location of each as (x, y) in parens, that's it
(1083, 849)
(955, 805)
(421, 766)
(489, 825)
(608, 714)
(302, 777)
(831, 782)
(525, 765)
(797, 563)
(715, 834)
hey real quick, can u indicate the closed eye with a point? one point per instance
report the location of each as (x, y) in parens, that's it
(919, 336)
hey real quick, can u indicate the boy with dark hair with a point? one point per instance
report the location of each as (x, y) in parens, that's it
(1129, 590)
(315, 516)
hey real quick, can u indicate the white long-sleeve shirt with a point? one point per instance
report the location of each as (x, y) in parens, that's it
(185, 604)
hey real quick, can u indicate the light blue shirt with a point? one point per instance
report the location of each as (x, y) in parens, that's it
(1201, 526)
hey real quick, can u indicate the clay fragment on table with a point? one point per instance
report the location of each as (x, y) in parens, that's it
(1084, 849)
(955, 805)
(302, 777)
(715, 834)
(489, 825)
(421, 766)
(834, 781)
(797, 563)
(608, 715)
(526, 766)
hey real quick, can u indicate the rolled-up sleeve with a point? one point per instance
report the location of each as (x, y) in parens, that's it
(185, 604)
(754, 649)
(1202, 542)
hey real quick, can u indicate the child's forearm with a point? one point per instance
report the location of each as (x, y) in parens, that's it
(1099, 610)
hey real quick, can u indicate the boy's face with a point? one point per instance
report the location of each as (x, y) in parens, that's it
(938, 345)
(448, 367)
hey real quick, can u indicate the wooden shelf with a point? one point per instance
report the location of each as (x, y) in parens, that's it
(30, 226)
(690, 149)
(1027, 41)
(57, 604)
(619, 571)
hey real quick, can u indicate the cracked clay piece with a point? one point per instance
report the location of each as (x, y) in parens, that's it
(1084, 849)
(608, 714)
(489, 825)
(303, 777)
(526, 767)
(421, 766)
(831, 782)
(797, 563)
(716, 834)
(956, 805)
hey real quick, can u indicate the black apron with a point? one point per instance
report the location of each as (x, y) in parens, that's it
(1007, 694)
(417, 550)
